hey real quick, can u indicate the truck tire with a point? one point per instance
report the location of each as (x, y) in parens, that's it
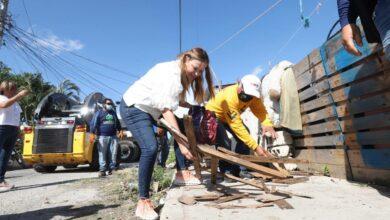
(94, 165)
(129, 151)
(44, 168)
(70, 166)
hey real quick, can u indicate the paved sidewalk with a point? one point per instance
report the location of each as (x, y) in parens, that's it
(332, 199)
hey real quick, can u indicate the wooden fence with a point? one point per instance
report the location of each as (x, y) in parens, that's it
(345, 108)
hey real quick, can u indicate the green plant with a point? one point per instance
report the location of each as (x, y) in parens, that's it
(326, 170)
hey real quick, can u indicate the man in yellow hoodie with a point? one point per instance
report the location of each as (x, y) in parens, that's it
(228, 105)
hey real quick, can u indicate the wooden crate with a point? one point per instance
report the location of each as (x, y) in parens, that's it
(345, 108)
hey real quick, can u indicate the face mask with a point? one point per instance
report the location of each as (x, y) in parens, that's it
(244, 97)
(109, 107)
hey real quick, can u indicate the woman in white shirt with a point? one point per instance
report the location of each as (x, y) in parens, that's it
(9, 126)
(157, 93)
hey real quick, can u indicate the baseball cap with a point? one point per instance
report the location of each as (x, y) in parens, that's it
(251, 85)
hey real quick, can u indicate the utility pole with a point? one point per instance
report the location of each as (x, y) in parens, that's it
(180, 36)
(3, 16)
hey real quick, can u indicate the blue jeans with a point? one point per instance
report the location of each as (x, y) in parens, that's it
(181, 162)
(140, 124)
(382, 22)
(164, 150)
(107, 147)
(224, 141)
(8, 136)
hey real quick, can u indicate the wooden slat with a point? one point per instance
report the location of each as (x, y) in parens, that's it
(314, 90)
(381, 101)
(368, 138)
(306, 63)
(332, 140)
(361, 71)
(370, 158)
(189, 128)
(223, 156)
(214, 169)
(312, 75)
(376, 176)
(318, 115)
(321, 128)
(366, 122)
(316, 103)
(361, 89)
(323, 156)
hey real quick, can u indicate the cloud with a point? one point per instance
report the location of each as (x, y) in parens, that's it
(47, 39)
(257, 70)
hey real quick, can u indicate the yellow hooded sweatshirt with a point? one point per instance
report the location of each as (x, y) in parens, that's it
(228, 108)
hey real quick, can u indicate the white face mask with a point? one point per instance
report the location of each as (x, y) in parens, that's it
(109, 107)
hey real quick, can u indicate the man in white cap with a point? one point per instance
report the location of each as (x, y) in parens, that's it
(228, 105)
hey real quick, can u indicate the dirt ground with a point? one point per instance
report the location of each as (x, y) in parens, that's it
(71, 194)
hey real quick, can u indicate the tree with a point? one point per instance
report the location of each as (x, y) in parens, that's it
(69, 89)
(34, 82)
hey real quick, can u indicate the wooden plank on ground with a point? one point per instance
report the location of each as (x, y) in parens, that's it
(190, 133)
(231, 198)
(229, 158)
(290, 181)
(283, 204)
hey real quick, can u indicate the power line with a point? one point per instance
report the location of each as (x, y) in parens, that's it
(80, 56)
(300, 27)
(246, 26)
(28, 17)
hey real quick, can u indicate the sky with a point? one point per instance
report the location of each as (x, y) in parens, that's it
(134, 35)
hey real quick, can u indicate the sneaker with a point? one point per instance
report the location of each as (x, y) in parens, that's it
(186, 178)
(245, 174)
(4, 186)
(109, 172)
(145, 210)
(101, 174)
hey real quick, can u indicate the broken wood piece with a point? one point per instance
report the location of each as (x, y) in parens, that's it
(268, 198)
(230, 198)
(280, 167)
(260, 186)
(259, 175)
(189, 128)
(187, 200)
(291, 180)
(232, 159)
(207, 197)
(283, 204)
(262, 159)
(229, 206)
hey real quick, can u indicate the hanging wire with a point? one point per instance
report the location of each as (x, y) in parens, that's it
(246, 26)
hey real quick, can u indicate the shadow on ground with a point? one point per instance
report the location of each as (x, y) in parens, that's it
(70, 212)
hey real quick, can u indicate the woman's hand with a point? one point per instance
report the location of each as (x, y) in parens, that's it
(187, 154)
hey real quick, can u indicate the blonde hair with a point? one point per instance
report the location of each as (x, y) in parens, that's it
(197, 85)
(7, 86)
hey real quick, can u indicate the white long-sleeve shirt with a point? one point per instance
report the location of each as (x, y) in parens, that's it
(157, 90)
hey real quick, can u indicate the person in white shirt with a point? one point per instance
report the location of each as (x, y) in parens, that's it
(157, 93)
(9, 126)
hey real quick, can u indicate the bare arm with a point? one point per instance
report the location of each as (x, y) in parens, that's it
(14, 99)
